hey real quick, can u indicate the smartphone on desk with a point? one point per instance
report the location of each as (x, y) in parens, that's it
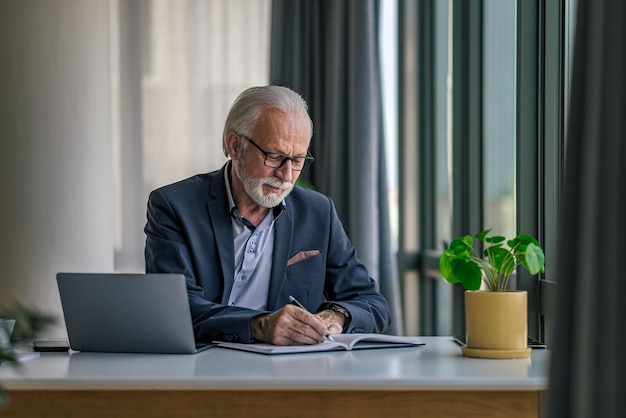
(532, 343)
(51, 346)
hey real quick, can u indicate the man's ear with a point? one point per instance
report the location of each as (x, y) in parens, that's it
(233, 145)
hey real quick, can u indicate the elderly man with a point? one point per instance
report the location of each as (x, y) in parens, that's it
(249, 242)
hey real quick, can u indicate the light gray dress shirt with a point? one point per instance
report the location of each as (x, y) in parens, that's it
(254, 247)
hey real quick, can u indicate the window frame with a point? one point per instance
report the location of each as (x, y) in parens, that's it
(541, 55)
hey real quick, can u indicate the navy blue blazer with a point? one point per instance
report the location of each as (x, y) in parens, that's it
(189, 231)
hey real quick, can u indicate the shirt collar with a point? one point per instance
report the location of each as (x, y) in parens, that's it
(276, 210)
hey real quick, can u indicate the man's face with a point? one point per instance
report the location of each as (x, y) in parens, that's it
(274, 132)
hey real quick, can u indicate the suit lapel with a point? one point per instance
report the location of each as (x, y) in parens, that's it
(283, 235)
(221, 223)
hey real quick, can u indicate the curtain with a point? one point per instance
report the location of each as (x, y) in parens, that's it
(177, 66)
(327, 50)
(587, 376)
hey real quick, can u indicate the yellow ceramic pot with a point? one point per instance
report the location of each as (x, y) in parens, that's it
(496, 324)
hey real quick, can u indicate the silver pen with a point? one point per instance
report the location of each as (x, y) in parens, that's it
(301, 306)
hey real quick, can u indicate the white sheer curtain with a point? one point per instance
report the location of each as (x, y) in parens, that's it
(177, 66)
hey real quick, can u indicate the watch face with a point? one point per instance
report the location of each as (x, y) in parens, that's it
(340, 310)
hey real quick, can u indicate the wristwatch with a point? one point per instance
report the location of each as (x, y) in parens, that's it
(339, 309)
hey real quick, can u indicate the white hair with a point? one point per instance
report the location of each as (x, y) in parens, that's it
(251, 103)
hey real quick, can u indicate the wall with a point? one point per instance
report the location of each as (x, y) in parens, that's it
(56, 210)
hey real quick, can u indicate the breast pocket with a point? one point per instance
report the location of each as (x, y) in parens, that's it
(306, 279)
(306, 261)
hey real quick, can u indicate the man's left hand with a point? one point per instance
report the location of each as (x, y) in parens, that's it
(334, 321)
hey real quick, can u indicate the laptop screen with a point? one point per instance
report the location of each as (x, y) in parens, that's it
(127, 312)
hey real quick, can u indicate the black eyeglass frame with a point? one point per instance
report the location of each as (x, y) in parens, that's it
(306, 161)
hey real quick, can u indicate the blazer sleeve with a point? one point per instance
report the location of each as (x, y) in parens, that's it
(349, 284)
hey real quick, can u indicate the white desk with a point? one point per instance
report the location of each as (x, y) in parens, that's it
(433, 380)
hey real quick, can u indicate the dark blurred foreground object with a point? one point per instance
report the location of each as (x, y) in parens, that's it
(30, 322)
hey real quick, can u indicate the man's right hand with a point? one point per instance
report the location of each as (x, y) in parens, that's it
(289, 325)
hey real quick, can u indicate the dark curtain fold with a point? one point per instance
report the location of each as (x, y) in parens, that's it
(327, 50)
(588, 371)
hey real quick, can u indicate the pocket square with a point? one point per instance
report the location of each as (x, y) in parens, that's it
(302, 255)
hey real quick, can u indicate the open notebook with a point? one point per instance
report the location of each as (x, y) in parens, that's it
(341, 342)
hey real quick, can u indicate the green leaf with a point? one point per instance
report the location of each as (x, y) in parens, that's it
(461, 244)
(445, 267)
(522, 239)
(460, 251)
(495, 240)
(508, 265)
(527, 239)
(468, 274)
(483, 234)
(534, 259)
(501, 259)
(468, 241)
(491, 250)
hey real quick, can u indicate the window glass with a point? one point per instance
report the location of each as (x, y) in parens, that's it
(442, 92)
(570, 28)
(389, 71)
(499, 116)
(442, 97)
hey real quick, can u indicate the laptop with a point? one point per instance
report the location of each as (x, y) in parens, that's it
(127, 313)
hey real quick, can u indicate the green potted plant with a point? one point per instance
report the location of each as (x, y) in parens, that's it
(495, 318)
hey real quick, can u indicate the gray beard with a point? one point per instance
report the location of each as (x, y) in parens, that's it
(254, 186)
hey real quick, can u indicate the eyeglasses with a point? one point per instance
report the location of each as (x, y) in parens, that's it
(277, 160)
